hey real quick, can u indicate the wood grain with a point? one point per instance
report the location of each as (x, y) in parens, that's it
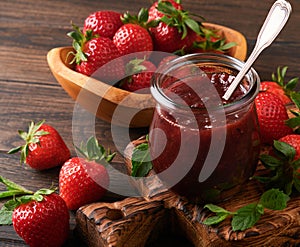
(137, 221)
(28, 90)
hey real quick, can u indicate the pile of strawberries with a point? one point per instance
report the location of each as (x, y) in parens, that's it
(165, 27)
(42, 217)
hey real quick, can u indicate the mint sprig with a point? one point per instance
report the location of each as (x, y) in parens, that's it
(141, 160)
(247, 216)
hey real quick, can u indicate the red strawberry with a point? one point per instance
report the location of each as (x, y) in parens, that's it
(40, 218)
(155, 14)
(279, 87)
(176, 30)
(103, 23)
(294, 141)
(272, 115)
(275, 88)
(44, 147)
(91, 54)
(85, 180)
(132, 38)
(141, 72)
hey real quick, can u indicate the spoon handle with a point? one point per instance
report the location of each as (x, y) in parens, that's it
(275, 21)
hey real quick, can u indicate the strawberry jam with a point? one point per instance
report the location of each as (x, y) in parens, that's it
(203, 147)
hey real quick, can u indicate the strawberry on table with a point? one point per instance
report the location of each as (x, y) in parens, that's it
(278, 86)
(103, 23)
(40, 218)
(140, 72)
(272, 115)
(44, 147)
(85, 180)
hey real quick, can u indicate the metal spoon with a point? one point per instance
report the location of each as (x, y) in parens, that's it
(275, 21)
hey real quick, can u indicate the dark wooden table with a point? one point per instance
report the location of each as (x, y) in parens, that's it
(28, 91)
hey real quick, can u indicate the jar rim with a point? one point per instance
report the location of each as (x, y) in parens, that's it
(218, 59)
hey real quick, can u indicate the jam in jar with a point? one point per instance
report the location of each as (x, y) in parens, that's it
(202, 146)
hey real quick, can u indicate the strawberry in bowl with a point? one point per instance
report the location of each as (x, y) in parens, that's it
(149, 31)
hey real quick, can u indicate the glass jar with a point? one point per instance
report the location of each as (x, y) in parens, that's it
(203, 147)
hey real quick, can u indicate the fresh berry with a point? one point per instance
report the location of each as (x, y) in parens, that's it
(85, 180)
(279, 87)
(103, 23)
(140, 72)
(275, 88)
(272, 115)
(131, 38)
(294, 141)
(40, 218)
(155, 14)
(176, 29)
(44, 147)
(92, 53)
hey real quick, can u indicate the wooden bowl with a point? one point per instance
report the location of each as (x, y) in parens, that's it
(134, 110)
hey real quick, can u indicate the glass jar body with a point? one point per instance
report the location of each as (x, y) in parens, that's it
(205, 153)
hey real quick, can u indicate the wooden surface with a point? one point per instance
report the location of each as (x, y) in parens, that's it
(140, 221)
(28, 91)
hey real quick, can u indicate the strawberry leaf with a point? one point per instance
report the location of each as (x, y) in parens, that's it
(295, 97)
(92, 150)
(293, 122)
(287, 150)
(270, 162)
(13, 188)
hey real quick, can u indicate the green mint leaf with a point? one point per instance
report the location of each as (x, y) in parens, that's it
(246, 217)
(215, 219)
(141, 160)
(221, 214)
(5, 216)
(274, 199)
(216, 209)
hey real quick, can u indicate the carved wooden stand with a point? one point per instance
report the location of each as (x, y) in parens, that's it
(140, 221)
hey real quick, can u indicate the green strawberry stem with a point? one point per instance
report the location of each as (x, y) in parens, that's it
(283, 169)
(79, 40)
(178, 18)
(279, 77)
(93, 151)
(30, 137)
(20, 195)
(140, 19)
